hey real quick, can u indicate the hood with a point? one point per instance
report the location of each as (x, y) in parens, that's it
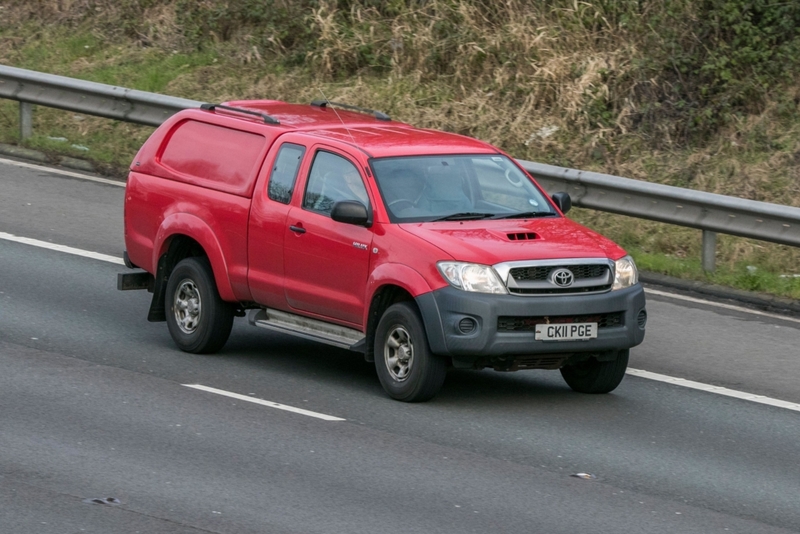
(491, 242)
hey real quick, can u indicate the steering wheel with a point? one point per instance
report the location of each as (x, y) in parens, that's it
(507, 174)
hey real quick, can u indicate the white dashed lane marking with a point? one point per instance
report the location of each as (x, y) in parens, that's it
(266, 403)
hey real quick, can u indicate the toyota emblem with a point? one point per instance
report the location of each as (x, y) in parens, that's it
(562, 277)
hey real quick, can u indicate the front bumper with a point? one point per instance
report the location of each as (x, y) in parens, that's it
(444, 310)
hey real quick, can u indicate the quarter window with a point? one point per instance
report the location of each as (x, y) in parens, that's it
(284, 173)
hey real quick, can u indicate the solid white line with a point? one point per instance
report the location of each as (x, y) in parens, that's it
(62, 248)
(62, 172)
(761, 399)
(267, 403)
(721, 305)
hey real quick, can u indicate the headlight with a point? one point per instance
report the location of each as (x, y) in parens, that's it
(471, 277)
(625, 273)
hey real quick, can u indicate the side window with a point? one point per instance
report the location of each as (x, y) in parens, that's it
(284, 173)
(333, 178)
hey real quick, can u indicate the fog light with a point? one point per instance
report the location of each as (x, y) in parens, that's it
(642, 319)
(467, 325)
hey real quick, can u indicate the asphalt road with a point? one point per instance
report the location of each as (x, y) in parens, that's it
(93, 405)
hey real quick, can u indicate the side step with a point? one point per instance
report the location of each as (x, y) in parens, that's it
(332, 334)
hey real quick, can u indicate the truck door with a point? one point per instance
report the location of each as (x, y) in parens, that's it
(268, 224)
(326, 263)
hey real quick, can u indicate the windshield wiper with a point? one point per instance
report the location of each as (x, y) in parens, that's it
(526, 215)
(464, 216)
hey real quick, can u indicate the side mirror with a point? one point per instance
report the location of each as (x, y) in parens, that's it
(563, 201)
(350, 212)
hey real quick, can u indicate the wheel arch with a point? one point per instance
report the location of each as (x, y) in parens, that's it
(382, 298)
(171, 239)
(392, 283)
(184, 236)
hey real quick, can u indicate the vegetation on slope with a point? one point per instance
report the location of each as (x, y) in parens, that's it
(695, 93)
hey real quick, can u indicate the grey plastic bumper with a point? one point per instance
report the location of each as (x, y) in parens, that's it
(443, 309)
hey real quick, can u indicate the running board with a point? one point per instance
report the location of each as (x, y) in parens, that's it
(289, 323)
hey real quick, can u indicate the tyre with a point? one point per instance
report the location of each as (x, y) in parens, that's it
(199, 321)
(407, 369)
(593, 376)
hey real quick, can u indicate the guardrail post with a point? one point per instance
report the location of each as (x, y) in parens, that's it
(25, 120)
(709, 250)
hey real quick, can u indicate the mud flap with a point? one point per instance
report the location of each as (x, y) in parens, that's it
(157, 313)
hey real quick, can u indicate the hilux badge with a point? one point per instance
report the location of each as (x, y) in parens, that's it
(562, 277)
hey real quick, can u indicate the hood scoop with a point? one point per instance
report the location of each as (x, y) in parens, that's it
(521, 236)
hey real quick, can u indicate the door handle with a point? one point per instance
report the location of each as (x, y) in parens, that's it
(297, 229)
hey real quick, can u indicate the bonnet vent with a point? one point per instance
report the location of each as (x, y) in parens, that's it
(521, 236)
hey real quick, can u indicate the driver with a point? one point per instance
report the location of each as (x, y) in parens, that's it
(402, 189)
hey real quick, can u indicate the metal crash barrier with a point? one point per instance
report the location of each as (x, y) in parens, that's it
(708, 212)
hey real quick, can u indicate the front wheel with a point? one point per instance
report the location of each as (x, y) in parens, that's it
(593, 376)
(199, 321)
(407, 369)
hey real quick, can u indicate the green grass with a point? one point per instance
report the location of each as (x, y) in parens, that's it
(63, 52)
(743, 275)
(154, 71)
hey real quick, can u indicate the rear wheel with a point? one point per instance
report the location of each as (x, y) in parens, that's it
(593, 376)
(407, 369)
(199, 321)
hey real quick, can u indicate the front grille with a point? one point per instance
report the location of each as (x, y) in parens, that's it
(539, 273)
(528, 324)
(557, 278)
(558, 290)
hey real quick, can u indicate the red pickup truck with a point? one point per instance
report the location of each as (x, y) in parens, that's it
(422, 249)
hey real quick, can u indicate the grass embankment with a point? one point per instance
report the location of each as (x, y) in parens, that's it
(701, 95)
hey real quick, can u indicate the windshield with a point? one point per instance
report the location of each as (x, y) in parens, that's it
(435, 188)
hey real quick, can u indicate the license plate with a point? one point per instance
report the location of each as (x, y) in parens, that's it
(565, 331)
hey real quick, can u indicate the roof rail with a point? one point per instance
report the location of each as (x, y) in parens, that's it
(381, 116)
(267, 118)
